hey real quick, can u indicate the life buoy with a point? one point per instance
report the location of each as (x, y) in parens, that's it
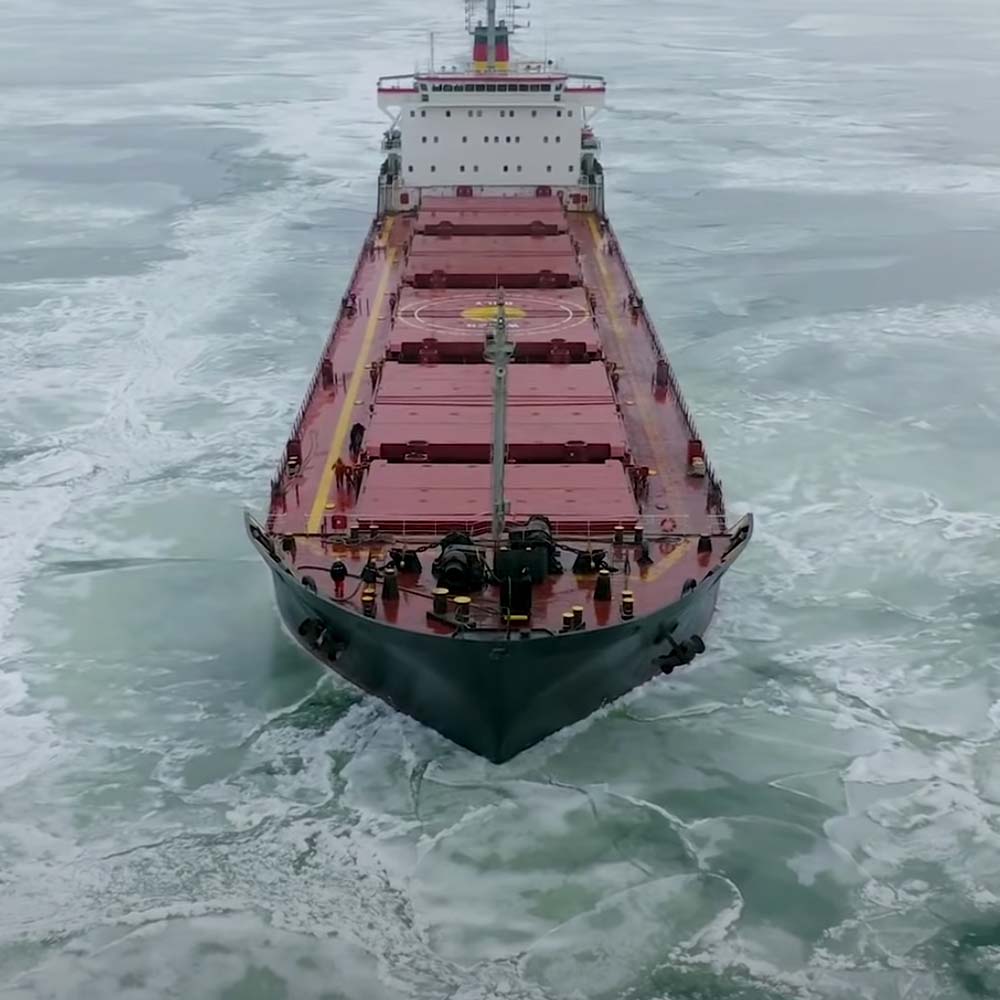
(668, 525)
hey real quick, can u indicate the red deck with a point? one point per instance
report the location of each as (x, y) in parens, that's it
(526, 384)
(453, 323)
(440, 498)
(491, 216)
(444, 413)
(407, 364)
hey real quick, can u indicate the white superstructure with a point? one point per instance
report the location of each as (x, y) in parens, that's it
(494, 124)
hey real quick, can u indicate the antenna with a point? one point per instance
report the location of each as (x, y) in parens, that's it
(432, 51)
(509, 14)
(512, 8)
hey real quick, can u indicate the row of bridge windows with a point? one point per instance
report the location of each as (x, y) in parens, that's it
(486, 138)
(504, 113)
(492, 88)
(475, 168)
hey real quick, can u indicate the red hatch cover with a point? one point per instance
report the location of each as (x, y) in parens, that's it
(491, 203)
(459, 247)
(453, 323)
(490, 217)
(444, 413)
(435, 208)
(568, 384)
(489, 261)
(441, 498)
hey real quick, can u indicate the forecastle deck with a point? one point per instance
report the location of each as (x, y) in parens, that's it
(391, 449)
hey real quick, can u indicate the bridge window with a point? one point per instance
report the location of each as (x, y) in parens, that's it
(503, 113)
(512, 114)
(505, 168)
(465, 138)
(508, 138)
(475, 169)
(433, 168)
(519, 168)
(549, 168)
(517, 138)
(545, 138)
(423, 113)
(534, 114)
(410, 168)
(491, 88)
(462, 168)
(436, 139)
(424, 139)
(569, 112)
(447, 114)
(558, 138)
(413, 114)
(559, 114)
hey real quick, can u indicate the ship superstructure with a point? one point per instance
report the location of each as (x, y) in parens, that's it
(497, 126)
(494, 510)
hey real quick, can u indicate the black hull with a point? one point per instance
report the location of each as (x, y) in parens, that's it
(494, 696)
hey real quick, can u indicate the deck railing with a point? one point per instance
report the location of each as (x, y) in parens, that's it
(662, 355)
(714, 503)
(570, 531)
(281, 473)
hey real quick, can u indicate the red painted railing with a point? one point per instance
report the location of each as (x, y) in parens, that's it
(281, 474)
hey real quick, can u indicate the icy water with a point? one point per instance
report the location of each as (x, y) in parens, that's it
(810, 194)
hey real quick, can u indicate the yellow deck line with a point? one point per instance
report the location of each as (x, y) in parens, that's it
(658, 569)
(612, 312)
(347, 409)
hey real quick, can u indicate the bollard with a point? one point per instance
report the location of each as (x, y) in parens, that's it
(440, 595)
(390, 584)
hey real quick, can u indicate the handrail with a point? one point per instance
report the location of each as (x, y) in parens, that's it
(661, 355)
(282, 468)
(662, 525)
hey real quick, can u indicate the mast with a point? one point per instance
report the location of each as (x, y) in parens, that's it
(499, 351)
(491, 34)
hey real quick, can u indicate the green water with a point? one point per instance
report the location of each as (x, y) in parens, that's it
(810, 196)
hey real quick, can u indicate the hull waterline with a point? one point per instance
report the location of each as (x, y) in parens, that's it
(491, 694)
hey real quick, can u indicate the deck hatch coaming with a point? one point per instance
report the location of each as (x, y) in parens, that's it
(444, 413)
(445, 497)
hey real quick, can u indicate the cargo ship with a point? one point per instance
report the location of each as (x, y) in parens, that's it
(493, 510)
